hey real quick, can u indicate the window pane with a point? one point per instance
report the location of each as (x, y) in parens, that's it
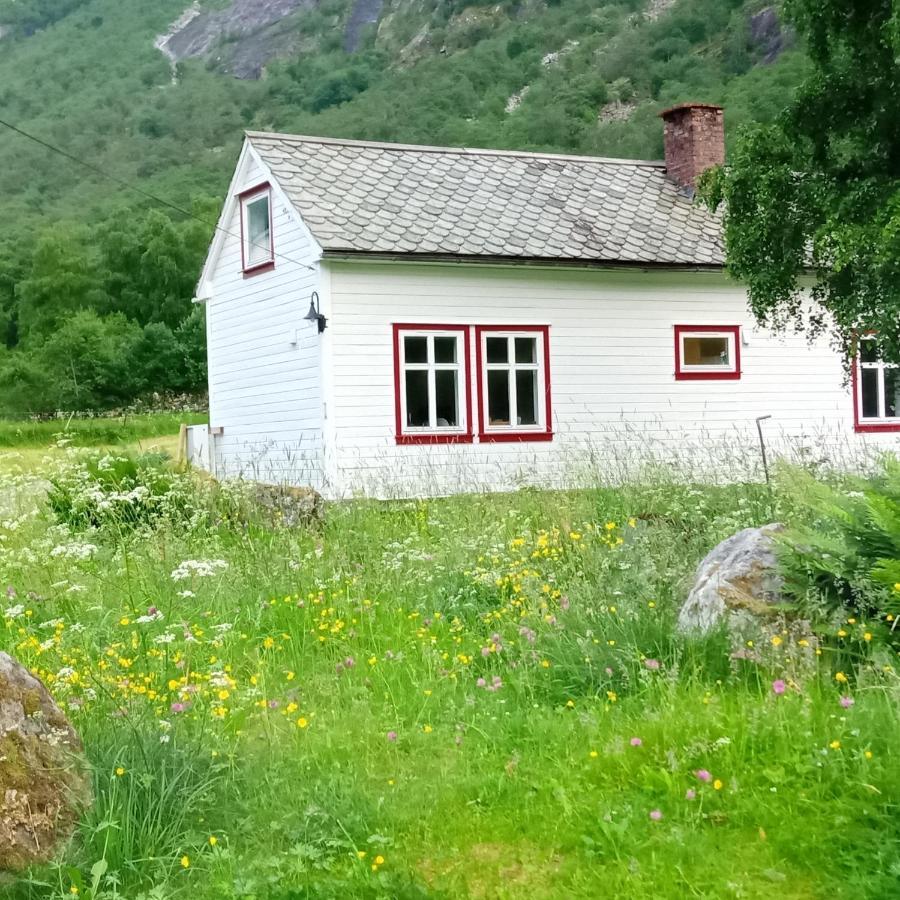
(498, 397)
(445, 349)
(706, 351)
(445, 398)
(417, 398)
(258, 230)
(868, 352)
(497, 350)
(526, 350)
(892, 393)
(526, 396)
(869, 388)
(416, 349)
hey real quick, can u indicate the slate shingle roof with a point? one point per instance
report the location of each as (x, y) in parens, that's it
(364, 197)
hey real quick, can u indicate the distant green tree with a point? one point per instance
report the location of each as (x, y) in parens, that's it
(818, 191)
(63, 278)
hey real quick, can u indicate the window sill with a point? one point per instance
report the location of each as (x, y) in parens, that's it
(412, 439)
(875, 427)
(707, 376)
(259, 268)
(507, 437)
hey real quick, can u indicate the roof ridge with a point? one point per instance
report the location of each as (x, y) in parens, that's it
(461, 151)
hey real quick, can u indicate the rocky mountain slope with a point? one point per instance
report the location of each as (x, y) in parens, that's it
(159, 91)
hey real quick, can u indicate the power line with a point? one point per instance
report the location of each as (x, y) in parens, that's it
(138, 190)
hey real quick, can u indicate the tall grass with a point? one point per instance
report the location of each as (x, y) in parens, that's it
(478, 696)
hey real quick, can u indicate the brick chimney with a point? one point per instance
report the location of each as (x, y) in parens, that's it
(694, 137)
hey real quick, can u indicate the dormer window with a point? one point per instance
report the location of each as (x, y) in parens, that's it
(257, 249)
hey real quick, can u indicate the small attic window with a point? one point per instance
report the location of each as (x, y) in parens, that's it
(257, 246)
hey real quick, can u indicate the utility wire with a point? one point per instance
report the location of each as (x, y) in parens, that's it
(138, 190)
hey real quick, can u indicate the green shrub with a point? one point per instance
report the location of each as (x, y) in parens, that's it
(121, 492)
(844, 554)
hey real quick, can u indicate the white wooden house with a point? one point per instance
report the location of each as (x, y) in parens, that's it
(492, 318)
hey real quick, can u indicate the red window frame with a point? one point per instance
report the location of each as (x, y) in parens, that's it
(406, 438)
(692, 375)
(868, 426)
(496, 437)
(244, 197)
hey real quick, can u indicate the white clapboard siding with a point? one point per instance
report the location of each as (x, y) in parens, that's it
(265, 391)
(616, 403)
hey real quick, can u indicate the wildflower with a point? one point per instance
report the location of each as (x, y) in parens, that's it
(867, 636)
(636, 742)
(651, 664)
(199, 568)
(690, 794)
(612, 696)
(391, 736)
(868, 754)
(776, 641)
(185, 862)
(847, 702)
(360, 854)
(302, 722)
(178, 707)
(545, 663)
(570, 704)
(73, 890)
(291, 708)
(119, 771)
(778, 686)
(268, 643)
(379, 860)
(835, 745)
(655, 815)
(840, 677)
(427, 729)
(213, 840)
(717, 784)
(593, 754)
(290, 676)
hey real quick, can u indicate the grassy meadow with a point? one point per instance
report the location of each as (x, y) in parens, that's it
(480, 696)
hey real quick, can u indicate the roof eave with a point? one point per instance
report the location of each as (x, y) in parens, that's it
(555, 262)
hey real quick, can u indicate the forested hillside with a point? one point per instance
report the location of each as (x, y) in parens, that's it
(96, 281)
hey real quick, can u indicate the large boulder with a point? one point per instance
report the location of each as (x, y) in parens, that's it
(44, 781)
(289, 507)
(737, 580)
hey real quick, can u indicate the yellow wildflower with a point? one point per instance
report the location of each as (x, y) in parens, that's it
(835, 745)
(717, 784)
(185, 861)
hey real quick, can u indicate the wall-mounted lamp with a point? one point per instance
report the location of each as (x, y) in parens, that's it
(314, 314)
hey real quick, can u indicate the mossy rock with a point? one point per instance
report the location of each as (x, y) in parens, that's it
(44, 782)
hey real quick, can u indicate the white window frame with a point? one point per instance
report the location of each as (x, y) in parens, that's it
(431, 367)
(730, 335)
(511, 366)
(880, 367)
(247, 200)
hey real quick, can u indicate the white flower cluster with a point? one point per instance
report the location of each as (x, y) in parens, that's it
(198, 568)
(13, 612)
(74, 550)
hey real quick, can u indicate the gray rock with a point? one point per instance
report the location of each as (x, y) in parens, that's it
(738, 579)
(767, 36)
(44, 781)
(289, 507)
